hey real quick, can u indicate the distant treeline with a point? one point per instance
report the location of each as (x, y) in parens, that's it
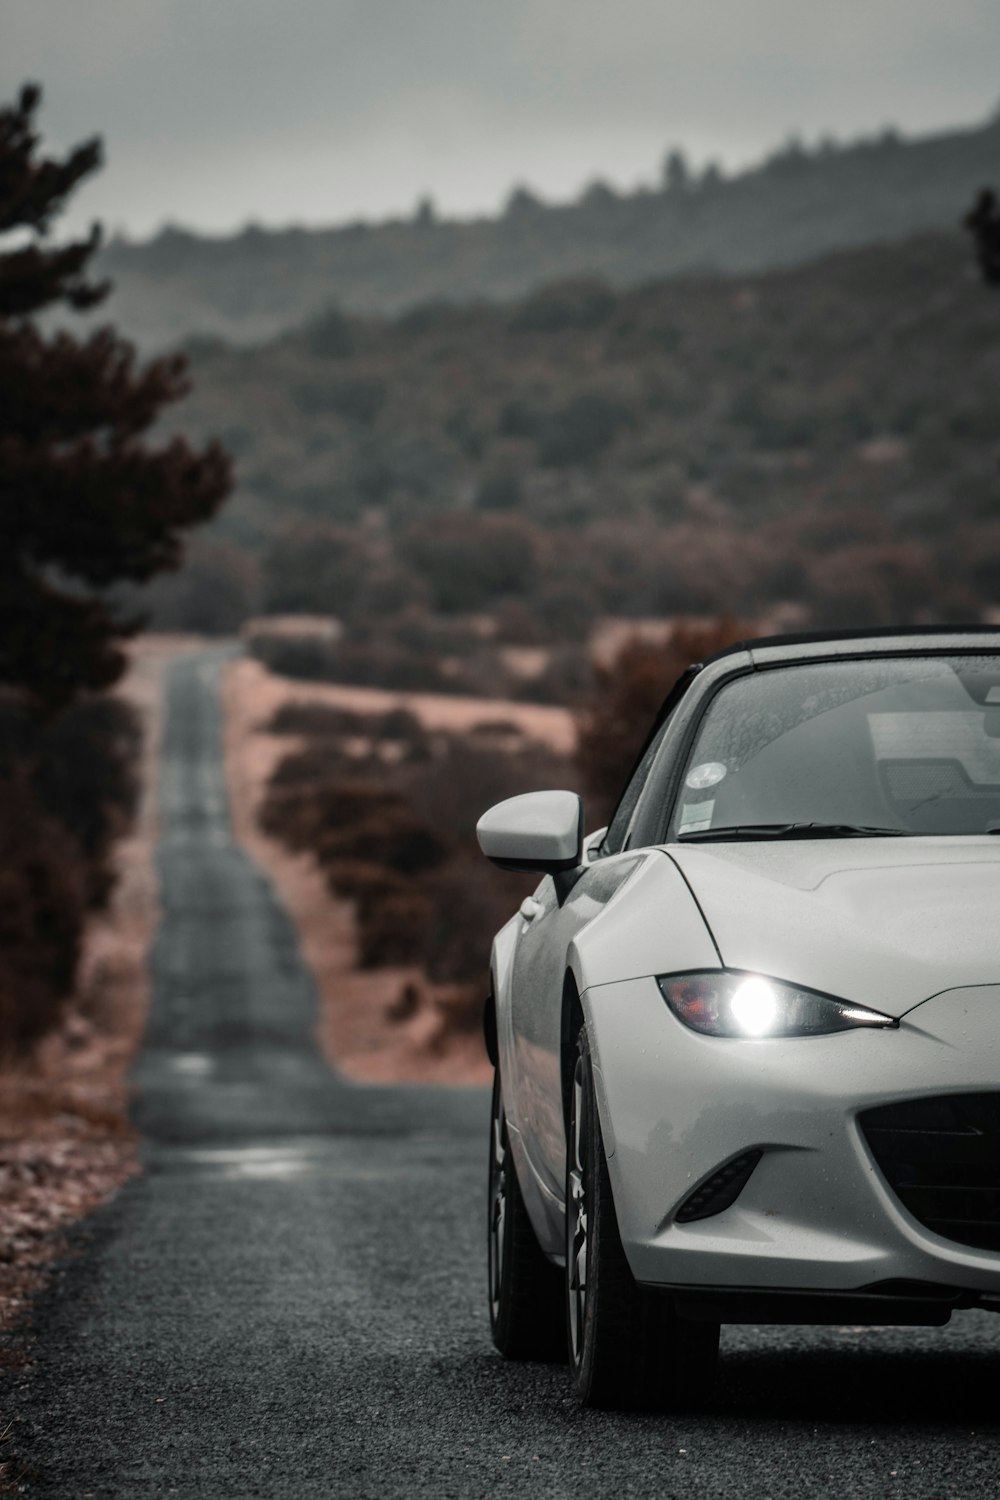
(797, 204)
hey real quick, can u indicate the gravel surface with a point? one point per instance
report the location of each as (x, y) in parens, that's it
(291, 1301)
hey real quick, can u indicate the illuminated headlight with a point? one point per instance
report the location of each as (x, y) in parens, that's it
(727, 1003)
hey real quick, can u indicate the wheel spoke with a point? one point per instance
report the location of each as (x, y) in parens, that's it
(498, 1206)
(576, 1210)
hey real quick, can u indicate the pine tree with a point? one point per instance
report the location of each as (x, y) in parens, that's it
(983, 223)
(86, 502)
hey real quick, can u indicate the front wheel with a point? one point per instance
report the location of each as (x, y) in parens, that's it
(526, 1309)
(628, 1347)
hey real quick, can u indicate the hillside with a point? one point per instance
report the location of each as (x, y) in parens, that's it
(825, 435)
(796, 205)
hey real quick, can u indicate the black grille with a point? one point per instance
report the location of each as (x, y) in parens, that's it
(942, 1159)
(719, 1191)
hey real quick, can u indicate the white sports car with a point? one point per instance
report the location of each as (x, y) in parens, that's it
(747, 1038)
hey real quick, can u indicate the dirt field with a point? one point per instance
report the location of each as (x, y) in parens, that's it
(357, 1033)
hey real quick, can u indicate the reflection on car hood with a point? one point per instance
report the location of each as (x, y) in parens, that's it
(886, 923)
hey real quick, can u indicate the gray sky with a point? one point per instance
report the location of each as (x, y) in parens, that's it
(217, 112)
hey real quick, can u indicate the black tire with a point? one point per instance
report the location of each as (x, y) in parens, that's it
(628, 1348)
(525, 1288)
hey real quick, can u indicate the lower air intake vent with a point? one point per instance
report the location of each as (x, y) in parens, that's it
(941, 1157)
(719, 1191)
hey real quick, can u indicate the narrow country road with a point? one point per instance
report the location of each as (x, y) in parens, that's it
(290, 1301)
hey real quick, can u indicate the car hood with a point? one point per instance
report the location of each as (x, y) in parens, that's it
(883, 922)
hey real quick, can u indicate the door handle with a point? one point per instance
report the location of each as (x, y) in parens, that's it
(530, 908)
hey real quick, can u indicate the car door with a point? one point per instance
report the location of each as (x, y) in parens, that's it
(549, 921)
(536, 1012)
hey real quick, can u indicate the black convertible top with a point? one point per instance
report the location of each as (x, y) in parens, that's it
(871, 633)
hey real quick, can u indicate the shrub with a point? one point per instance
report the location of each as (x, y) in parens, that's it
(584, 302)
(394, 915)
(307, 799)
(500, 491)
(470, 902)
(314, 568)
(391, 835)
(356, 400)
(519, 418)
(339, 732)
(321, 720)
(399, 841)
(394, 929)
(68, 788)
(466, 777)
(469, 561)
(43, 907)
(330, 336)
(565, 678)
(626, 696)
(212, 594)
(581, 430)
(390, 665)
(299, 656)
(85, 776)
(460, 1012)
(874, 585)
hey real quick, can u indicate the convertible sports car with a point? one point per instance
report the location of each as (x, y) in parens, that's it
(747, 1037)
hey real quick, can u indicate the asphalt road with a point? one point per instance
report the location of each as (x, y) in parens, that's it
(290, 1302)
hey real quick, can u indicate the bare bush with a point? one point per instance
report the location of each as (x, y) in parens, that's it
(394, 914)
(471, 901)
(399, 841)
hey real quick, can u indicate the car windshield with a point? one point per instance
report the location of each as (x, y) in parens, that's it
(905, 745)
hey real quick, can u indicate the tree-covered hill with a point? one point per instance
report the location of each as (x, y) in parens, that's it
(796, 205)
(822, 434)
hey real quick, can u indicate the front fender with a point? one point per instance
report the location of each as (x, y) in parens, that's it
(652, 925)
(501, 965)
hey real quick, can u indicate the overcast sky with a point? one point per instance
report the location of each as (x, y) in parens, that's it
(218, 112)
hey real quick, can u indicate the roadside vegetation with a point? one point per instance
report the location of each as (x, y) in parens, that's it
(87, 504)
(387, 807)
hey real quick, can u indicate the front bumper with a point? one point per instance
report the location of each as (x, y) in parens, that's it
(816, 1214)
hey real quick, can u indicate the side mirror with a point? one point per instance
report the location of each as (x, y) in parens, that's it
(540, 831)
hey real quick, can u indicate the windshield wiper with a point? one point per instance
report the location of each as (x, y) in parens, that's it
(738, 831)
